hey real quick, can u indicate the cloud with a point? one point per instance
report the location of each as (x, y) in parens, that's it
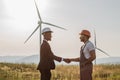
(2, 10)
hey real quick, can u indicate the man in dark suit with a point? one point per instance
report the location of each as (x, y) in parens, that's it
(47, 57)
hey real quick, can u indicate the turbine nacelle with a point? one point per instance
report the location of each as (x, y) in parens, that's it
(39, 22)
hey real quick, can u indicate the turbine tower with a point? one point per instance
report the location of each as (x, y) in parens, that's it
(40, 25)
(97, 47)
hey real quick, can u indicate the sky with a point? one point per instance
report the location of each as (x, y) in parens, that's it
(18, 19)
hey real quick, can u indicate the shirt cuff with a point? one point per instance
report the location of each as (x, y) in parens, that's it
(62, 59)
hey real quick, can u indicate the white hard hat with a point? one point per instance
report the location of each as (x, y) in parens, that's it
(47, 29)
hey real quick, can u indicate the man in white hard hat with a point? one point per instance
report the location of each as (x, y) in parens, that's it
(46, 56)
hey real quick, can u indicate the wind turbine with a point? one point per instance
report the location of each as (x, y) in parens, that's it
(97, 47)
(40, 25)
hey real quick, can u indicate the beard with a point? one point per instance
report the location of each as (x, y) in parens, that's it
(82, 40)
(49, 39)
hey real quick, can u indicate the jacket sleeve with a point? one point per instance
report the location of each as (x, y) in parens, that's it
(57, 58)
(52, 56)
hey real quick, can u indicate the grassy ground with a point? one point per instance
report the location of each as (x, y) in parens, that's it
(9, 71)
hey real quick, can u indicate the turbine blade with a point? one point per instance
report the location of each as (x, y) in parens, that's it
(38, 11)
(95, 38)
(53, 25)
(32, 34)
(40, 36)
(103, 51)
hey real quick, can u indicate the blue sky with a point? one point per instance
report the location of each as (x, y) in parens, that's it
(18, 18)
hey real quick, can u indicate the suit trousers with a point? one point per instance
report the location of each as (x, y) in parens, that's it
(45, 74)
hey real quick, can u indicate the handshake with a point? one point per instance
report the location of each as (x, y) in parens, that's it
(67, 60)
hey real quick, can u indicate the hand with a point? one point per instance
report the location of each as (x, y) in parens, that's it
(82, 64)
(67, 60)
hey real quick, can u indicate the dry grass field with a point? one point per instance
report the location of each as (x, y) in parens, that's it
(10, 71)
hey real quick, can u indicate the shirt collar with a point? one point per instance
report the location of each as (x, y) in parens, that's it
(86, 42)
(45, 40)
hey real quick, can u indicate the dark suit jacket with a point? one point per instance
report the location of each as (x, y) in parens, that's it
(47, 57)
